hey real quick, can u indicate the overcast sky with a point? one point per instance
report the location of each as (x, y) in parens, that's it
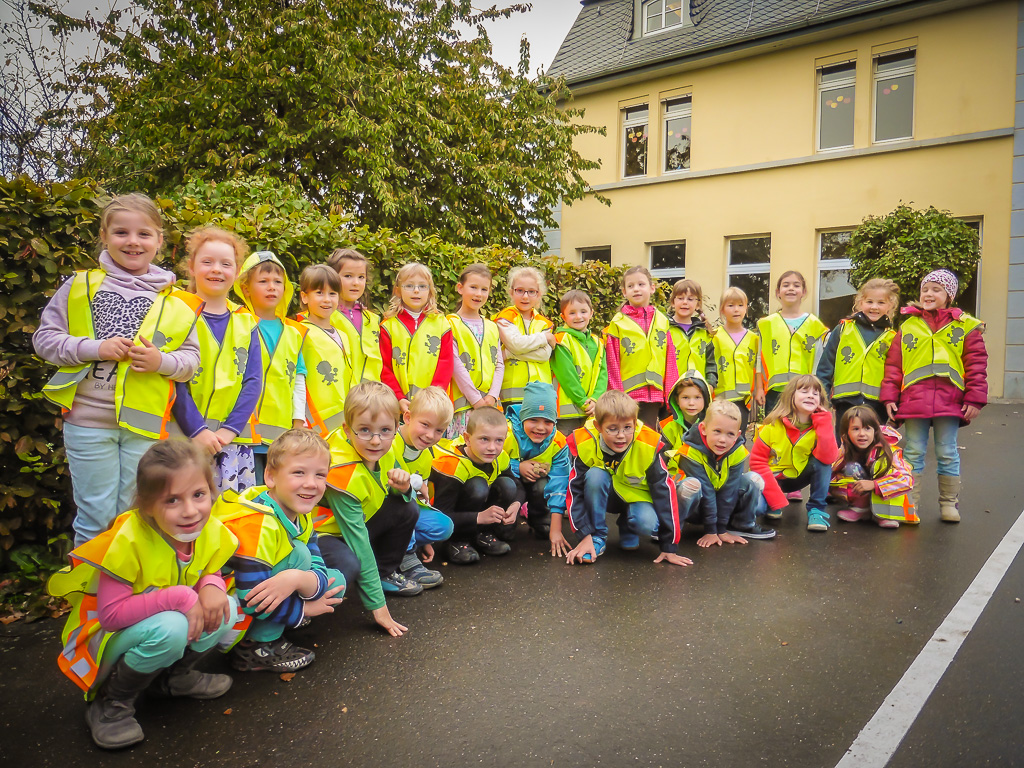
(545, 27)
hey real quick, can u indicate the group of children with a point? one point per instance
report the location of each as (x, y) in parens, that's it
(336, 449)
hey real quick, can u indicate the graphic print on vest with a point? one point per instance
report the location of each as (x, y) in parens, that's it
(809, 343)
(196, 375)
(881, 349)
(775, 346)
(432, 344)
(398, 356)
(241, 359)
(467, 361)
(955, 334)
(160, 340)
(494, 355)
(328, 371)
(909, 341)
(627, 346)
(723, 364)
(847, 354)
(702, 348)
(290, 368)
(113, 315)
(659, 339)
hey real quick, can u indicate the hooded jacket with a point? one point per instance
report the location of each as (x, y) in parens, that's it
(716, 504)
(674, 427)
(826, 370)
(558, 474)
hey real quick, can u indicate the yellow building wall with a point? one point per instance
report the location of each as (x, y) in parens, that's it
(762, 109)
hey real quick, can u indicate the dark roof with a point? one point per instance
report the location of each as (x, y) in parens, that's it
(600, 43)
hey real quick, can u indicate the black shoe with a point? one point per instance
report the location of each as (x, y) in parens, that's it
(462, 553)
(541, 531)
(489, 544)
(756, 532)
(505, 532)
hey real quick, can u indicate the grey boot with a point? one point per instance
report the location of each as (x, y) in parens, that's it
(111, 715)
(182, 679)
(915, 492)
(949, 498)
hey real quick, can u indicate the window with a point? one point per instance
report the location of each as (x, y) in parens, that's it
(749, 269)
(668, 260)
(894, 96)
(835, 292)
(677, 134)
(596, 254)
(634, 156)
(662, 14)
(968, 300)
(835, 105)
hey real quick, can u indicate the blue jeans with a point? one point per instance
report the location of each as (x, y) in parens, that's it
(600, 500)
(816, 475)
(103, 463)
(749, 504)
(432, 526)
(947, 455)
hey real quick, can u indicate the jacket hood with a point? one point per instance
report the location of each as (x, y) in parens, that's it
(945, 314)
(516, 423)
(690, 377)
(254, 259)
(238, 502)
(695, 439)
(880, 325)
(892, 437)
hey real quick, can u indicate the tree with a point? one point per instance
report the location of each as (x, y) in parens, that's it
(907, 244)
(377, 109)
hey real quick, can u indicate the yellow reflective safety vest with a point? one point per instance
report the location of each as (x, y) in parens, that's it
(547, 456)
(519, 373)
(350, 477)
(736, 364)
(217, 382)
(927, 354)
(479, 359)
(691, 353)
(787, 457)
(135, 553)
(454, 462)
(629, 477)
(720, 475)
(362, 347)
(142, 401)
(274, 409)
(589, 371)
(327, 379)
(261, 536)
(643, 356)
(410, 459)
(414, 356)
(785, 353)
(859, 366)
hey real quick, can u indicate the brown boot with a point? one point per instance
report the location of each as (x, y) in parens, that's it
(949, 498)
(915, 493)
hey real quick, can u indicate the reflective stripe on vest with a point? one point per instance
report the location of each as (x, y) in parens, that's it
(274, 410)
(787, 353)
(327, 379)
(629, 477)
(735, 364)
(479, 359)
(642, 356)
(897, 508)
(350, 476)
(786, 457)
(414, 356)
(362, 347)
(587, 369)
(519, 373)
(927, 354)
(859, 367)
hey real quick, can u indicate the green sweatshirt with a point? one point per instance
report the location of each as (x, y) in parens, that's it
(349, 515)
(563, 368)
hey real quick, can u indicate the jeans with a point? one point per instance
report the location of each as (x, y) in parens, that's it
(749, 504)
(103, 463)
(947, 455)
(816, 475)
(600, 500)
(432, 526)
(159, 641)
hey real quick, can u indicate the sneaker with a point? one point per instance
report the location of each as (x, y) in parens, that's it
(629, 541)
(817, 520)
(489, 544)
(541, 531)
(423, 576)
(462, 553)
(853, 514)
(795, 496)
(773, 514)
(278, 656)
(655, 539)
(600, 545)
(397, 584)
(884, 522)
(755, 532)
(306, 621)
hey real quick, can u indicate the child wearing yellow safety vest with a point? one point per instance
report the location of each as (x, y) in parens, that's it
(688, 402)
(266, 290)
(935, 378)
(360, 326)
(479, 366)
(147, 599)
(579, 366)
(216, 407)
(619, 468)
(279, 575)
(639, 347)
(415, 336)
(691, 332)
(526, 335)
(325, 353)
(853, 361)
(370, 510)
(122, 337)
(789, 340)
(736, 348)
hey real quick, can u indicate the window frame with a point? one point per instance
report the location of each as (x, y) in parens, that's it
(750, 269)
(830, 264)
(687, 111)
(822, 88)
(667, 273)
(900, 72)
(595, 249)
(684, 17)
(628, 124)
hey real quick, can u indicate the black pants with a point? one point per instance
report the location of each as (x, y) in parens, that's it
(533, 495)
(475, 496)
(771, 399)
(568, 426)
(390, 531)
(650, 414)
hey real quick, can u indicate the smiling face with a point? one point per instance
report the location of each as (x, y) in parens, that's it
(423, 430)
(132, 240)
(933, 296)
(184, 507)
(861, 436)
(371, 434)
(265, 289)
(806, 401)
(214, 269)
(538, 430)
(617, 433)
(474, 292)
(298, 482)
(638, 289)
(525, 294)
(720, 433)
(353, 281)
(684, 305)
(321, 302)
(734, 311)
(414, 292)
(875, 304)
(577, 315)
(690, 399)
(484, 445)
(791, 292)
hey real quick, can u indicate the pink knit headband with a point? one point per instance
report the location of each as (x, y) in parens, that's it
(946, 279)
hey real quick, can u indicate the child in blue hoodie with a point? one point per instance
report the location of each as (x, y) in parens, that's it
(540, 460)
(688, 402)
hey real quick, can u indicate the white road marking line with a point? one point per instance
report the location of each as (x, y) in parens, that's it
(880, 738)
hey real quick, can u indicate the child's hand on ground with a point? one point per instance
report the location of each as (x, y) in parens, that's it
(586, 546)
(399, 480)
(195, 618)
(427, 553)
(270, 593)
(509, 516)
(489, 516)
(970, 412)
(326, 602)
(673, 558)
(208, 441)
(709, 540)
(115, 348)
(145, 358)
(864, 486)
(731, 538)
(559, 545)
(383, 617)
(216, 607)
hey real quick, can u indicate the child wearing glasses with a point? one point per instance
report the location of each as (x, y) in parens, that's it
(415, 337)
(371, 508)
(527, 337)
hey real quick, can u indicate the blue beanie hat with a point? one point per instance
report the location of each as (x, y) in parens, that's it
(538, 402)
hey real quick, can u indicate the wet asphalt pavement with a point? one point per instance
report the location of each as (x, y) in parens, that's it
(776, 653)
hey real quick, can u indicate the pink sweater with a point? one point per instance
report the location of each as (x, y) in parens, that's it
(119, 608)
